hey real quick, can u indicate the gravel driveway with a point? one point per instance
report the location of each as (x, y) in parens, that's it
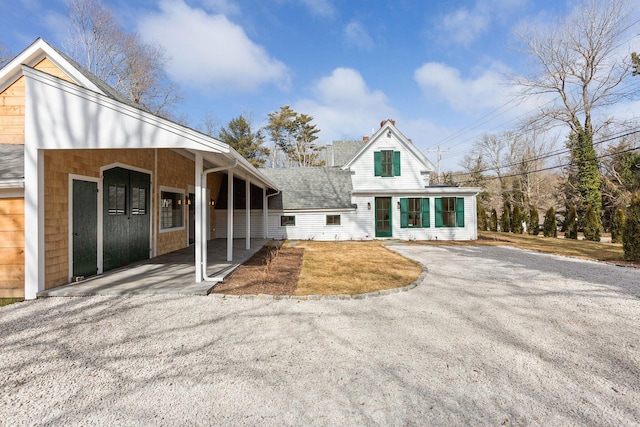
(493, 336)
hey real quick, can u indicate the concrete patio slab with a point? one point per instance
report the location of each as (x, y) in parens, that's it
(172, 273)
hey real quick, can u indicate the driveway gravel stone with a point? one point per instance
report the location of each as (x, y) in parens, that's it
(491, 336)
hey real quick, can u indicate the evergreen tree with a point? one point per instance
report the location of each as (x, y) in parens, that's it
(592, 227)
(493, 222)
(631, 234)
(534, 219)
(550, 227)
(571, 224)
(517, 220)
(482, 217)
(505, 219)
(239, 135)
(617, 226)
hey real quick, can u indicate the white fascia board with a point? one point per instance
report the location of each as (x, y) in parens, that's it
(12, 183)
(67, 116)
(388, 126)
(31, 56)
(325, 210)
(427, 191)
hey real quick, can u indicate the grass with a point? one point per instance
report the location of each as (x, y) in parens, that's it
(611, 252)
(7, 301)
(352, 268)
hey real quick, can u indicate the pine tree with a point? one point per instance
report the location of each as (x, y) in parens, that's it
(534, 219)
(571, 224)
(617, 227)
(550, 227)
(631, 234)
(493, 223)
(505, 219)
(592, 226)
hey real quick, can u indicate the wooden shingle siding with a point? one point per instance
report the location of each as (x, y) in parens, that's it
(58, 164)
(12, 105)
(11, 247)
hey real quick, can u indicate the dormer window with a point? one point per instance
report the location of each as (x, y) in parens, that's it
(386, 163)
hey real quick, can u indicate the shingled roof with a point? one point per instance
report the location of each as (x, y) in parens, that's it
(311, 188)
(12, 165)
(340, 152)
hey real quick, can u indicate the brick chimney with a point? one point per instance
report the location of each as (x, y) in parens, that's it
(365, 138)
(393, 122)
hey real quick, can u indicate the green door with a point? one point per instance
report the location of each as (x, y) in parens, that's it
(383, 216)
(85, 228)
(125, 217)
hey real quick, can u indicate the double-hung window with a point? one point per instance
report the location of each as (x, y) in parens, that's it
(414, 212)
(171, 209)
(386, 163)
(449, 211)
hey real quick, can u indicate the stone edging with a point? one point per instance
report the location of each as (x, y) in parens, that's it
(266, 297)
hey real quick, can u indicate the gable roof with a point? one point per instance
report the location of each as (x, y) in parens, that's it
(311, 188)
(340, 152)
(39, 50)
(389, 126)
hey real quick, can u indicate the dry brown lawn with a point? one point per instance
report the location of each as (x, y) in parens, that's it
(352, 268)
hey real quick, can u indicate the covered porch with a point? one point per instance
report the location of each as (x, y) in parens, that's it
(168, 274)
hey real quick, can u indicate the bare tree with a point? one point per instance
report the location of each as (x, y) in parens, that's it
(120, 58)
(209, 125)
(577, 62)
(5, 54)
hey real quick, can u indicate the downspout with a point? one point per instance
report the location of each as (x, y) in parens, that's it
(206, 172)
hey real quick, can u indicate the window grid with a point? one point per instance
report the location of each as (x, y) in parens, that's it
(387, 162)
(333, 219)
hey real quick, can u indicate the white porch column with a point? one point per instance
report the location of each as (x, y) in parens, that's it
(201, 241)
(34, 277)
(247, 211)
(265, 214)
(230, 215)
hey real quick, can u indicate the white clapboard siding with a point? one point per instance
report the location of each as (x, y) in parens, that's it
(239, 224)
(410, 168)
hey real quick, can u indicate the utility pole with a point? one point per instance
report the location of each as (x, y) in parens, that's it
(439, 157)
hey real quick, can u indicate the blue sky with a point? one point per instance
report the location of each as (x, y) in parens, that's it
(437, 67)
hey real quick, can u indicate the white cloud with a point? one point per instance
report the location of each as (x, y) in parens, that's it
(210, 51)
(344, 107)
(357, 35)
(319, 7)
(463, 26)
(487, 90)
(225, 7)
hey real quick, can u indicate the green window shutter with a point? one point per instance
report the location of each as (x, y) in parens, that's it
(396, 163)
(377, 163)
(438, 202)
(425, 213)
(404, 213)
(460, 212)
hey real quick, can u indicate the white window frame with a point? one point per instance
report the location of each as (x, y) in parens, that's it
(183, 204)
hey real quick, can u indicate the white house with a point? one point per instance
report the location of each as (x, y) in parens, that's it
(375, 188)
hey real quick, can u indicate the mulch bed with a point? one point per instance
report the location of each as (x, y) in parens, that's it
(271, 271)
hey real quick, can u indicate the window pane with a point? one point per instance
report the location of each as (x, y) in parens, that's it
(387, 163)
(333, 219)
(415, 213)
(170, 210)
(449, 211)
(286, 220)
(117, 197)
(138, 201)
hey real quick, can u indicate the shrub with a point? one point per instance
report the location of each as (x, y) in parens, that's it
(516, 220)
(482, 218)
(505, 219)
(534, 220)
(550, 226)
(493, 222)
(571, 224)
(592, 228)
(631, 233)
(617, 226)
